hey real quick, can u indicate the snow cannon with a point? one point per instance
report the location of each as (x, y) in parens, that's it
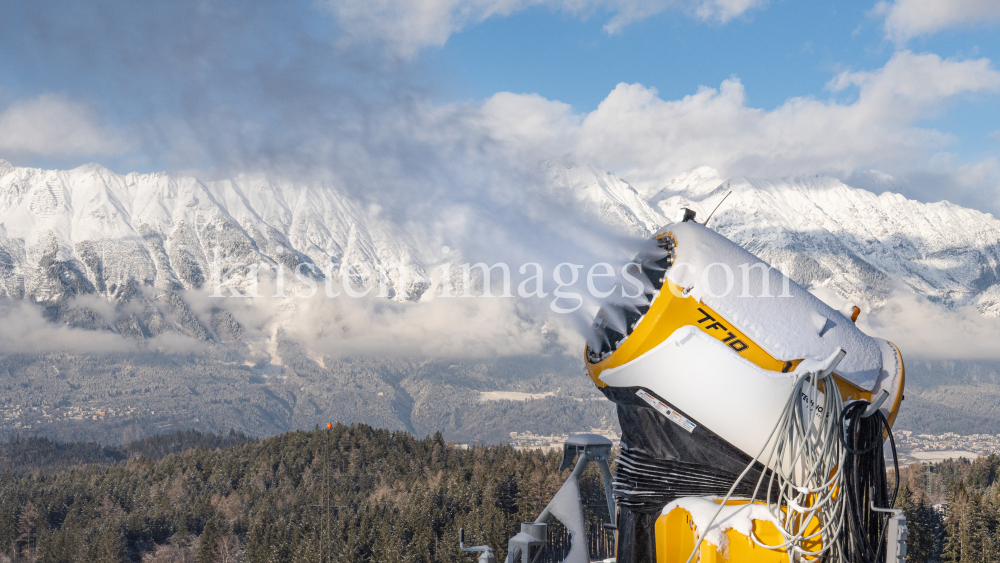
(753, 414)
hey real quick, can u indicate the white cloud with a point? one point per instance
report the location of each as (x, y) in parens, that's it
(924, 329)
(406, 26)
(725, 10)
(974, 184)
(51, 125)
(928, 330)
(647, 139)
(905, 19)
(441, 327)
(912, 82)
(23, 329)
(530, 121)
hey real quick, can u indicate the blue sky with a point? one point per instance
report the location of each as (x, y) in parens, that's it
(909, 87)
(788, 49)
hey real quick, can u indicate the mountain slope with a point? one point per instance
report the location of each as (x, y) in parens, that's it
(861, 245)
(92, 230)
(147, 237)
(67, 233)
(120, 253)
(610, 197)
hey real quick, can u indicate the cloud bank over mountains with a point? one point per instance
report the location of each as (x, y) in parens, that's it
(647, 139)
(54, 125)
(336, 101)
(332, 95)
(93, 261)
(872, 120)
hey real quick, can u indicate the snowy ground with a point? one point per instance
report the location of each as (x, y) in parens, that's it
(943, 455)
(930, 457)
(485, 396)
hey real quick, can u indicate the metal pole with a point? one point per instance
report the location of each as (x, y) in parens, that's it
(326, 494)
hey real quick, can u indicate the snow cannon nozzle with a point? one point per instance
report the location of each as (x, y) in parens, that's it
(732, 382)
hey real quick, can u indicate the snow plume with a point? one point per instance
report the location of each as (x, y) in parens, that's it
(259, 88)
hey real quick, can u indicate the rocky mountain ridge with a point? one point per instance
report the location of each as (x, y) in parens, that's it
(144, 239)
(79, 243)
(858, 243)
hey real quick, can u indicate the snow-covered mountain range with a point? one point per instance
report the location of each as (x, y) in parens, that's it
(92, 231)
(863, 239)
(120, 253)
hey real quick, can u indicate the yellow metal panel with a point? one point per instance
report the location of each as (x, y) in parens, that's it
(671, 310)
(675, 534)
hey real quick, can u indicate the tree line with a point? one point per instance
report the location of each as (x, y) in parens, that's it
(33, 453)
(952, 510)
(347, 494)
(356, 494)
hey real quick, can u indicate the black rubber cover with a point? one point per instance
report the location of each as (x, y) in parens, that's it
(659, 462)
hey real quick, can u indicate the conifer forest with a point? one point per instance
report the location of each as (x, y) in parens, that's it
(347, 494)
(357, 494)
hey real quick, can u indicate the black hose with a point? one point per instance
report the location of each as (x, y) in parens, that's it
(865, 480)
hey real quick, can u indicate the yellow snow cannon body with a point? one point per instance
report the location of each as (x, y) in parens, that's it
(701, 367)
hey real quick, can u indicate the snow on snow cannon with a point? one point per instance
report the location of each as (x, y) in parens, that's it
(733, 446)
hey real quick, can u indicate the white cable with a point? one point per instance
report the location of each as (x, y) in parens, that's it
(807, 475)
(815, 453)
(701, 535)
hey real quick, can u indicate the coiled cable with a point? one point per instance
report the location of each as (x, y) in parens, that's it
(807, 456)
(808, 459)
(828, 469)
(865, 482)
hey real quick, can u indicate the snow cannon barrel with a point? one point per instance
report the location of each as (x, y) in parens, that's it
(702, 364)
